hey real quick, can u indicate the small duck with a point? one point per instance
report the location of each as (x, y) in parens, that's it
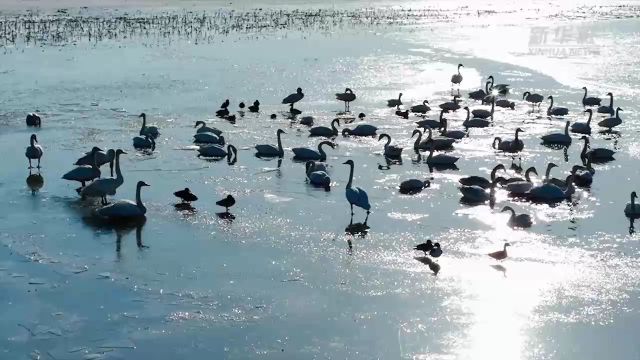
(255, 107)
(436, 251)
(185, 195)
(227, 202)
(424, 247)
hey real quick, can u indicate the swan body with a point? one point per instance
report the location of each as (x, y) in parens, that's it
(558, 138)
(451, 105)
(441, 143)
(500, 254)
(597, 154)
(512, 146)
(484, 113)
(583, 176)
(583, 128)
(476, 194)
(34, 119)
(632, 209)
(361, 130)
(482, 181)
(325, 131)
(98, 156)
(611, 122)
(310, 154)
(504, 103)
(205, 129)
(395, 102)
(403, 114)
(520, 186)
(151, 131)
(84, 173)
(307, 120)
(451, 134)
(479, 95)
(590, 101)
(347, 96)
(390, 151)
(607, 109)
(556, 111)
(424, 247)
(475, 122)
(208, 138)
(355, 195)
(144, 143)
(108, 186)
(501, 89)
(440, 159)
(421, 108)
(434, 124)
(413, 186)
(533, 99)
(316, 177)
(217, 151)
(34, 151)
(457, 78)
(270, 150)
(518, 221)
(125, 209)
(294, 98)
(551, 193)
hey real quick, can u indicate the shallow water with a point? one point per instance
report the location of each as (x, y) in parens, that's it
(278, 281)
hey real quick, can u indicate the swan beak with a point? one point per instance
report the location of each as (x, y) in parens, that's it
(123, 152)
(345, 163)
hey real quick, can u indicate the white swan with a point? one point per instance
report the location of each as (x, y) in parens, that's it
(451, 105)
(611, 122)
(451, 134)
(144, 143)
(533, 99)
(390, 151)
(556, 111)
(361, 130)
(152, 131)
(421, 108)
(125, 209)
(520, 186)
(440, 159)
(558, 138)
(270, 150)
(583, 128)
(83, 173)
(512, 146)
(395, 102)
(310, 154)
(355, 195)
(589, 101)
(217, 151)
(347, 96)
(294, 98)
(632, 209)
(457, 78)
(325, 131)
(597, 154)
(475, 122)
(413, 186)
(517, 221)
(484, 113)
(316, 177)
(108, 186)
(607, 109)
(481, 181)
(552, 193)
(206, 129)
(34, 152)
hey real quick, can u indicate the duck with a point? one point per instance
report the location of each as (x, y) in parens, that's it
(403, 114)
(395, 102)
(83, 173)
(217, 151)
(475, 122)
(476, 194)
(632, 210)
(105, 186)
(307, 121)
(222, 113)
(589, 101)
(550, 192)
(611, 122)
(225, 104)
(185, 195)
(481, 181)
(325, 131)
(534, 99)
(144, 143)
(310, 154)
(480, 94)
(517, 221)
(583, 128)
(98, 156)
(558, 138)
(440, 159)
(151, 131)
(390, 151)
(34, 120)
(294, 98)
(360, 130)
(451, 105)
(269, 150)
(347, 96)
(355, 195)
(316, 177)
(413, 186)
(451, 134)
(125, 209)
(512, 146)
(436, 252)
(421, 108)
(425, 246)
(226, 202)
(457, 78)
(500, 254)
(34, 151)
(517, 186)
(484, 113)
(205, 129)
(607, 109)
(255, 107)
(556, 111)
(597, 154)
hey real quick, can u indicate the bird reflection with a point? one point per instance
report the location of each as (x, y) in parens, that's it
(389, 162)
(123, 230)
(442, 167)
(120, 227)
(434, 266)
(500, 268)
(35, 182)
(632, 229)
(358, 229)
(516, 167)
(185, 206)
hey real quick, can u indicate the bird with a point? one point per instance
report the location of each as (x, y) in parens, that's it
(550, 192)
(308, 121)
(125, 209)
(475, 122)
(355, 195)
(83, 173)
(360, 130)
(441, 159)
(480, 94)
(451, 134)
(185, 195)
(517, 221)
(518, 186)
(436, 251)
(604, 109)
(403, 114)
(484, 113)
(98, 156)
(434, 124)
(217, 151)
(105, 186)
(425, 247)
(227, 202)
(224, 112)
(512, 146)
(34, 151)
(241, 105)
(583, 128)
(611, 122)
(476, 195)
(451, 105)
(482, 181)
(34, 120)
(589, 101)
(500, 89)
(205, 129)
(293, 98)
(390, 151)
(632, 210)
(558, 138)
(347, 96)
(316, 176)
(439, 143)
(310, 154)
(255, 107)
(144, 143)
(504, 103)
(556, 111)
(597, 154)
(421, 108)
(270, 150)
(457, 78)
(325, 131)
(395, 102)
(583, 175)
(500, 254)
(534, 99)
(208, 138)
(413, 186)
(151, 131)
(225, 104)
(273, 116)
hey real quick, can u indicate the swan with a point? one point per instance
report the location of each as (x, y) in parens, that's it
(611, 122)
(34, 152)
(558, 138)
(98, 156)
(224, 112)
(152, 131)
(270, 150)
(476, 194)
(479, 95)
(108, 186)
(607, 109)
(451, 105)
(532, 98)
(308, 121)
(517, 221)
(390, 151)
(419, 144)
(550, 192)
(484, 113)
(481, 181)
(424, 247)
(441, 143)
(440, 159)
(395, 102)
(255, 107)
(125, 209)
(34, 119)
(347, 96)
(83, 173)
(504, 103)
(632, 209)
(556, 111)
(457, 78)
(554, 181)
(145, 142)
(361, 130)
(217, 151)
(205, 129)
(294, 98)
(413, 186)
(431, 123)
(451, 134)
(500, 254)
(316, 177)
(403, 114)
(583, 128)
(501, 89)
(186, 195)
(355, 195)
(520, 187)
(583, 176)
(421, 108)
(310, 154)
(515, 145)
(475, 122)
(597, 154)
(589, 101)
(208, 138)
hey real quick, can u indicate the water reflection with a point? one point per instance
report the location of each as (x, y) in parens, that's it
(35, 182)
(433, 266)
(120, 227)
(358, 229)
(500, 268)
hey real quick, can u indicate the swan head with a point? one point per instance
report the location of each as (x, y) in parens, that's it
(415, 131)
(425, 102)
(634, 195)
(519, 130)
(531, 170)
(490, 77)
(280, 131)
(198, 123)
(298, 91)
(551, 166)
(382, 136)
(466, 108)
(499, 167)
(507, 208)
(585, 138)
(348, 162)
(427, 183)
(506, 244)
(499, 180)
(460, 65)
(400, 95)
(436, 245)
(347, 90)
(117, 152)
(143, 115)
(618, 109)
(328, 143)
(256, 103)
(584, 88)
(95, 149)
(550, 97)
(609, 94)
(524, 95)
(34, 138)
(589, 111)
(142, 183)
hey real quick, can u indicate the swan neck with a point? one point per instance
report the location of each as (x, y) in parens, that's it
(611, 101)
(333, 127)
(280, 150)
(589, 120)
(584, 148)
(350, 176)
(118, 172)
(585, 94)
(566, 129)
(416, 144)
(138, 199)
